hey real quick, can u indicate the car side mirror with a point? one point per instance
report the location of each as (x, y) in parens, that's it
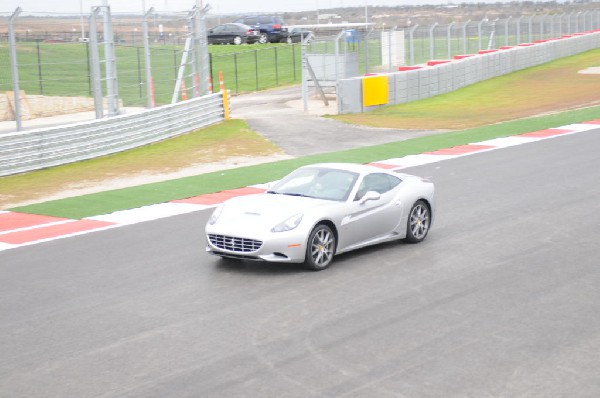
(371, 195)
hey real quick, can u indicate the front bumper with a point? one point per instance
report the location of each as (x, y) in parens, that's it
(280, 247)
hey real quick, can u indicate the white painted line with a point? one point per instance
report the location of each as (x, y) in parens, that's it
(37, 226)
(6, 246)
(415, 160)
(505, 142)
(579, 127)
(149, 213)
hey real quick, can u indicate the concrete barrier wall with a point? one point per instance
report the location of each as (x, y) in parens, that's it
(443, 76)
(42, 148)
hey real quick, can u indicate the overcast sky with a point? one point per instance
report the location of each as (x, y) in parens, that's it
(218, 6)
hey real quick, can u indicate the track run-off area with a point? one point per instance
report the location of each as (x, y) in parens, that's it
(501, 299)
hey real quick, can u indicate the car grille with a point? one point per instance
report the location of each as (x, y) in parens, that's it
(234, 244)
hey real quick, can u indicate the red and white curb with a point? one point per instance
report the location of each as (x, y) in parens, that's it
(20, 229)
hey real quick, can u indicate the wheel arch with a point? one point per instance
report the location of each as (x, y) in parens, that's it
(333, 228)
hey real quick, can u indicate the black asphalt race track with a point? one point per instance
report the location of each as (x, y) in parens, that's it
(501, 300)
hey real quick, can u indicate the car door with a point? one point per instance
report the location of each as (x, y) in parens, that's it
(368, 220)
(216, 35)
(229, 32)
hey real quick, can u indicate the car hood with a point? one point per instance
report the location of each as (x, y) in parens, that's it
(264, 211)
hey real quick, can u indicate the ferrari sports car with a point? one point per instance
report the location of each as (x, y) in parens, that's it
(321, 210)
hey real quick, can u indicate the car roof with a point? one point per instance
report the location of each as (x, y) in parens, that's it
(353, 167)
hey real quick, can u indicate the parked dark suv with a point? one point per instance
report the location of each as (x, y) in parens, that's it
(272, 28)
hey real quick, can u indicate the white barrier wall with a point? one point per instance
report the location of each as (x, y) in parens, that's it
(442, 76)
(42, 148)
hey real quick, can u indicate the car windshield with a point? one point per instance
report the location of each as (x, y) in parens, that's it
(316, 182)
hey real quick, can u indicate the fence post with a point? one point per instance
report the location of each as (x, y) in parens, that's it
(203, 59)
(112, 92)
(147, 62)
(39, 57)
(411, 43)
(276, 69)
(431, 41)
(464, 41)
(479, 32)
(95, 63)
(449, 36)
(531, 28)
(14, 70)
(506, 33)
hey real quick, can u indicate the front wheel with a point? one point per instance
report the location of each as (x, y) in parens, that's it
(418, 222)
(320, 248)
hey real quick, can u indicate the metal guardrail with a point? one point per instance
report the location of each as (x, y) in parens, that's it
(42, 148)
(442, 76)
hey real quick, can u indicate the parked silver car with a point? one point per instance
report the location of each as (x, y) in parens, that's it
(321, 210)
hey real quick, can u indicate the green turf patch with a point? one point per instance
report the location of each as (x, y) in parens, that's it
(122, 199)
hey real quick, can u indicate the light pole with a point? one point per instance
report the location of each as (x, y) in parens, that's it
(81, 14)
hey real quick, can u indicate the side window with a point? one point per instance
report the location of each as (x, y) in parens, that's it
(264, 20)
(250, 21)
(377, 182)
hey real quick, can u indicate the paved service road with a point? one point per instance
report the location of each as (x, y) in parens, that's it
(502, 299)
(279, 116)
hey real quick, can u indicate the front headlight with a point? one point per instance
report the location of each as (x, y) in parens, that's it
(288, 224)
(216, 214)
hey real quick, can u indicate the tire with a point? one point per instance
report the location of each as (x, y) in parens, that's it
(320, 248)
(263, 38)
(289, 40)
(237, 40)
(419, 220)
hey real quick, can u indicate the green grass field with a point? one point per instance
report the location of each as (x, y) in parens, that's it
(62, 69)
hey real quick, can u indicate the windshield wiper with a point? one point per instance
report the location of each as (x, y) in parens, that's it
(297, 194)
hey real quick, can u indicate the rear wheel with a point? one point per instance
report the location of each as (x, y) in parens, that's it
(289, 40)
(419, 220)
(263, 38)
(237, 40)
(320, 248)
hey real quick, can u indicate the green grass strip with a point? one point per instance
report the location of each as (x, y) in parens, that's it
(128, 198)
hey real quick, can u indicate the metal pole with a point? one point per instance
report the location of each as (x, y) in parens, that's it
(479, 32)
(431, 41)
(95, 63)
(81, 14)
(201, 47)
(304, 76)
(390, 34)
(560, 24)
(464, 29)
(506, 30)
(147, 62)
(531, 28)
(14, 70)
(449, 37)
(519, 29)
(411, 40)
(110, 63)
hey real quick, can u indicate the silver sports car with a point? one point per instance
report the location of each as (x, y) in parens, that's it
(321, 210)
